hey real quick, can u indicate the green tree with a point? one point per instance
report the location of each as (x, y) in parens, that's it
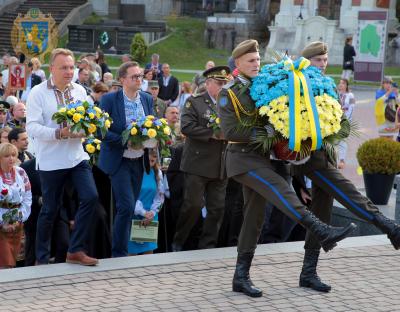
(138, 48)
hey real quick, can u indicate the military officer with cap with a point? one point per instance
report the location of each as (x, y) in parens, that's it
(329, 183)
(252, 168)
(4, 107)
(159, 105)
(203, 164)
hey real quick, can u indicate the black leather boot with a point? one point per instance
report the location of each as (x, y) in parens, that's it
(327, 235)
(388, 227)
(309, 277)
(241, 280)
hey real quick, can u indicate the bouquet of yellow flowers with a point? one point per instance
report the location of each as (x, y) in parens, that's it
(92, 146)
(149, 132)
(83, 117)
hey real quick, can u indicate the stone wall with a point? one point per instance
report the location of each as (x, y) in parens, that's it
(100, 7)
(156, 9)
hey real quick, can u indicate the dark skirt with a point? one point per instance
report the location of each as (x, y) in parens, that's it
(10, 247)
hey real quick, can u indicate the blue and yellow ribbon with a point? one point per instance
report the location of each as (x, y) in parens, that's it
(297, 80)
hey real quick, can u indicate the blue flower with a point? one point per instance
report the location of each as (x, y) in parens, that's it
(273, 82)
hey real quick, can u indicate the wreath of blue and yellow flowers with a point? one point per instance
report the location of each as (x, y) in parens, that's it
(301, 104)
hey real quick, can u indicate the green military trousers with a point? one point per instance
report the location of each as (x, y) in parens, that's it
(259, 186)
(329, 183)
(199, 192)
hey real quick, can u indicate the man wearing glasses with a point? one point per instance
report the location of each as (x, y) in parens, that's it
(123, 164)
(203, 163)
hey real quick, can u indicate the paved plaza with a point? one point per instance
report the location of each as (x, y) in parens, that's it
(363, 271)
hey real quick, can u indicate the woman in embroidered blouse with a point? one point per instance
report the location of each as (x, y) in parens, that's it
(347, 101)
(15, 205)
(150, 200)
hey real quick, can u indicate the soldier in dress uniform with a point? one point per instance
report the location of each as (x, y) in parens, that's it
(252, 168)
(203, 164)
(328, 183)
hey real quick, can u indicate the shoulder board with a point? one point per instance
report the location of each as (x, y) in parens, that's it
(229, 85)
(197, 94)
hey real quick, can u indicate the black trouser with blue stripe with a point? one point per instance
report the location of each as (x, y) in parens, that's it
(259, 186)
(329, 183)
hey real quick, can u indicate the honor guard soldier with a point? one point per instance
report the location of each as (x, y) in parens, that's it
(203, 163)
(253, 169)
(328, 183)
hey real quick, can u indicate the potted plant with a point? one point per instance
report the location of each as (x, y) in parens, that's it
(380, 161)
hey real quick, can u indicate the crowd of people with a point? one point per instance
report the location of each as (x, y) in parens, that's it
(215, 189)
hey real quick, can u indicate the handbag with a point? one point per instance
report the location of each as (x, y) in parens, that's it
(144, 234)
(390, 110)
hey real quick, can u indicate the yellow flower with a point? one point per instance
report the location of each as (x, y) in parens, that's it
(263, 110)
(96, 141)
(164, 121)
(97, 109)
(91, 115)
(92, 128)
(151, 117)
(90, 148)
(80, 109)
(107, 123)
(76, 117)
(98, 147)
(152, 133)
(167, 130)
(71, 112)
(62, 110)
(148, 123)
(134, 131)
(217, 121)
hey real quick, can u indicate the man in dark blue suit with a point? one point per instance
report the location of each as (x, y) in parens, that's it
(121, 163)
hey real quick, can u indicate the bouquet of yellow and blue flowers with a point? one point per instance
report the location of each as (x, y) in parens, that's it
(83, 117)
(214, 122)
(149, 132)
(299, 109)
(92, 146)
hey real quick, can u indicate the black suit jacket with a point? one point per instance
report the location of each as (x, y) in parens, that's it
(169, 92)
(35, 80)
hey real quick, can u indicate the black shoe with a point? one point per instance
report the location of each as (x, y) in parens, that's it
(388, 227)
(309, 277)
(241, 280)
(327, 235)
(176, 247)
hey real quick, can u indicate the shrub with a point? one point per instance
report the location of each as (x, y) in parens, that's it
(138, 48)
(379, 156)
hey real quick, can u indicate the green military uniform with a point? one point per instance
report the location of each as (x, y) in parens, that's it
(252, 168)
(159, 108)
(205, 178)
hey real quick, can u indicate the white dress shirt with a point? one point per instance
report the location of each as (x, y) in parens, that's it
(51, 153)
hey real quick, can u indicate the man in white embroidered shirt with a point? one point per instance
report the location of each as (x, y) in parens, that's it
(60, 156)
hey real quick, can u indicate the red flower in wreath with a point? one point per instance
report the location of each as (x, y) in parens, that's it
(4, 192)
